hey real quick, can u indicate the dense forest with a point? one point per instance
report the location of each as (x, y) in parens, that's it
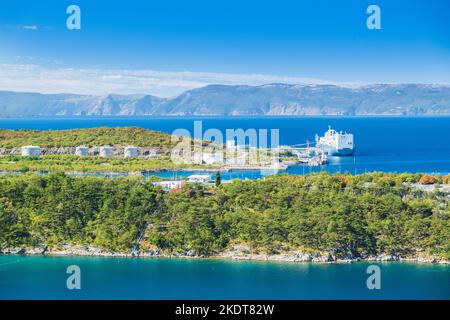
(360, 215)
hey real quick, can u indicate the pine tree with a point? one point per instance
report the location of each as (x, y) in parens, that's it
(218, 179)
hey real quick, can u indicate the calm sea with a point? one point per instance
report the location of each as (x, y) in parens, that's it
(390, 144)
(34, 277)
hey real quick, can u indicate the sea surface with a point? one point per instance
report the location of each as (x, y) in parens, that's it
(36, 277)
(389, 144)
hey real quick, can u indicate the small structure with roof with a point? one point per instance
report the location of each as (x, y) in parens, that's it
(168, 185)
(31, 151)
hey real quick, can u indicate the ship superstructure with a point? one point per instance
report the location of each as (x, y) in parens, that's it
(336, 143)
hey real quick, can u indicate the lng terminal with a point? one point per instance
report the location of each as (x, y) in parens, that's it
(233, 157)
(332, 143)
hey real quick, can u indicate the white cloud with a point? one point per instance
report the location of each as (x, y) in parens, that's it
(30, 77)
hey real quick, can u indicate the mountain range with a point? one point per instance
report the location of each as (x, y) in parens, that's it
(241, 100)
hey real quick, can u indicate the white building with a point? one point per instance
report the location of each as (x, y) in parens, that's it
(208, 158)
(130, 152)
(197, 158)
(106, 151)
(169, 184)
(31, 151)
(212, 158)
(81, 151)
(199, 178)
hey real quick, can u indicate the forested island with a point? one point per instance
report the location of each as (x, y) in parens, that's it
(332, 216)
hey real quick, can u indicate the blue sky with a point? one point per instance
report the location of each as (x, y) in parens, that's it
(165, 47)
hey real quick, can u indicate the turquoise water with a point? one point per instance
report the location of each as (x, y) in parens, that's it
(390, 144)
(35, 277)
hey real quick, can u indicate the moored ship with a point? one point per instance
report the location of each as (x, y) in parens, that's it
(336, 143)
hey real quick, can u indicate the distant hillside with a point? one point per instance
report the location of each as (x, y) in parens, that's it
(224, 100)
(120, 136)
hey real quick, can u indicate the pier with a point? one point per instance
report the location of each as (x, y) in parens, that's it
(312, 156)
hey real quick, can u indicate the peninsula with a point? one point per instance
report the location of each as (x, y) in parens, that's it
(317, 217)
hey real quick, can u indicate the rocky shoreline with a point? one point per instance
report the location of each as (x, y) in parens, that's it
(236, 253)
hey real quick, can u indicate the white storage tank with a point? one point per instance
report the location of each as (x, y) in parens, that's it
(82, 151)
(31, 151)
(130, 152)
(106, 151)
(154, 153)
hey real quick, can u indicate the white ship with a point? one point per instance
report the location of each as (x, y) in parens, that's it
(336, 143)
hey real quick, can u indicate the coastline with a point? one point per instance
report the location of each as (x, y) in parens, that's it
(154, 170)
(235, 254)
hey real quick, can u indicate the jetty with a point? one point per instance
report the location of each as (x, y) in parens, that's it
(312, 156)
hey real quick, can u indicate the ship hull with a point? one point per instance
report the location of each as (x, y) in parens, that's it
(337, 152)
(342, 152)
